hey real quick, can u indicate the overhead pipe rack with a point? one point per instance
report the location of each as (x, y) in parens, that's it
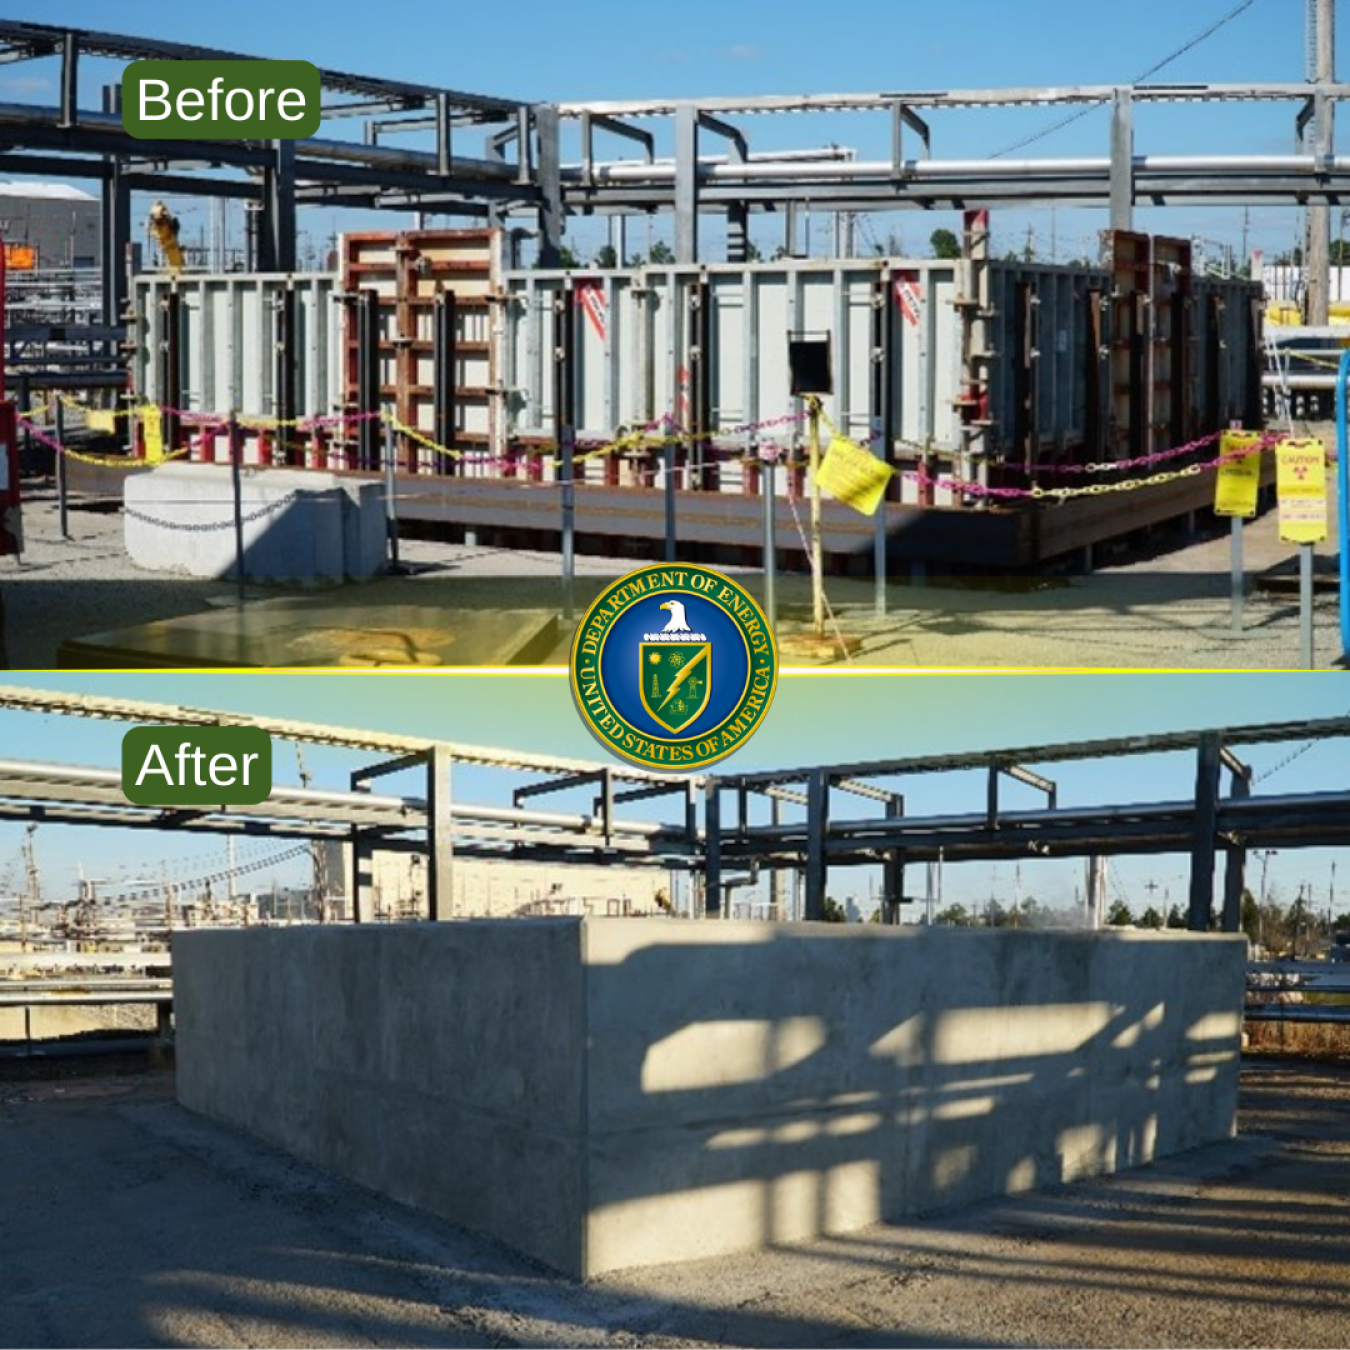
(1208, 824)
(432, 822)
(1204, 826)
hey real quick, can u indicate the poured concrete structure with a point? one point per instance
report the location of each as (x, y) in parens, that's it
(298, 526)
(611, 1093)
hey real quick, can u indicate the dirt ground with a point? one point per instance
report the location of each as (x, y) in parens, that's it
(1167, 609)
(129, 1221)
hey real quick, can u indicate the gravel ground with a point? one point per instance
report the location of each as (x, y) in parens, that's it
(1167, 611)
(130, 1221)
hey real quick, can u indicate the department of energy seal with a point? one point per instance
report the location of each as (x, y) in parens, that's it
(673, 666)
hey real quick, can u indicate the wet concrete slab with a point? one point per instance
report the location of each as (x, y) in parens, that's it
(322, 630)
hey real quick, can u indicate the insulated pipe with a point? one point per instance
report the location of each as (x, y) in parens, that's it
(627, 171)
(63, 773)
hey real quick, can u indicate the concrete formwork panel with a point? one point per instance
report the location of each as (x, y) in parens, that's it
(605, 1094)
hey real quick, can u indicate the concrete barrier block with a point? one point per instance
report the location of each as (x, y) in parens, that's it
(300, 527)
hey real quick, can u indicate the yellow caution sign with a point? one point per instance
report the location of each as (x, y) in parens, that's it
(1239, 474)
(1301, 484)
(100, 419)
(853, 475)
(152, 429)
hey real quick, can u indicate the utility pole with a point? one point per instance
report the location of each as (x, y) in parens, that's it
(1318, 138)
(32, 887)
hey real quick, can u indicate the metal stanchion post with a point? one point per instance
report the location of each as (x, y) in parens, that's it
(670, 499)
(62, 501)
(1305, 605)
(770, 551)
(817, 568)
(237, 480)
(390, 506)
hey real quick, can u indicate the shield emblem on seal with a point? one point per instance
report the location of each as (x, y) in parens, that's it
(676, 681)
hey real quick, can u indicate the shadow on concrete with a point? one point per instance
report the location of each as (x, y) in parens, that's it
(913, 1097)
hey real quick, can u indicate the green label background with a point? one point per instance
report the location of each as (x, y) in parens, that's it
(251, 75)
(236, 741)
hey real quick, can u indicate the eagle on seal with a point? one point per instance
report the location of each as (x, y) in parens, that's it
(676, 623)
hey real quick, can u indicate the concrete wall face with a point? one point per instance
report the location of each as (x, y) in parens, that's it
(442, 1065)
(670, 1090)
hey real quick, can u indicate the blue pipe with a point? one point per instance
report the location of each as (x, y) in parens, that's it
(1343, 502)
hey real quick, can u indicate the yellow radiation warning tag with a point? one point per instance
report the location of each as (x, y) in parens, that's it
(152, 429)
(1239, 475)
(853, 475)
(1301, 485)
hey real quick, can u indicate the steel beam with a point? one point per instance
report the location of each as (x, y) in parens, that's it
(578, 780)
(1264, 733)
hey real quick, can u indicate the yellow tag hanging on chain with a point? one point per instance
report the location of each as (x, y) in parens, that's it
(152, 429)
(853, 475)
(1239, 476)
(1301, 485)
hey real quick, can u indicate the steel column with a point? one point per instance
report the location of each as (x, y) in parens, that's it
(738, 233)
(359, 847)
(817, 825)
(686, 183)
(276, 238)
(1121, 191)
(440, 846)
(1235, 861)
(893, 870)
(549, 179)
(1208, 762)
(712, 850)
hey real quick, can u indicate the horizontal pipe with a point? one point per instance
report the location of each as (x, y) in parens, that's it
(633, 171)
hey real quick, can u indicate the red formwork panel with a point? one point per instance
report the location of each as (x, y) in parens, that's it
(10, 538)
(407, 269)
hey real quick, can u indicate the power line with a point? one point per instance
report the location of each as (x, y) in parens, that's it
(1138, 79)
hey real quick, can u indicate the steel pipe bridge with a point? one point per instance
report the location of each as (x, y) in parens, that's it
(706, 838)
(682, 156)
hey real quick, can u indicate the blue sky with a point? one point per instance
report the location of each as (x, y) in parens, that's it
(587, 50)
(829, 719)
